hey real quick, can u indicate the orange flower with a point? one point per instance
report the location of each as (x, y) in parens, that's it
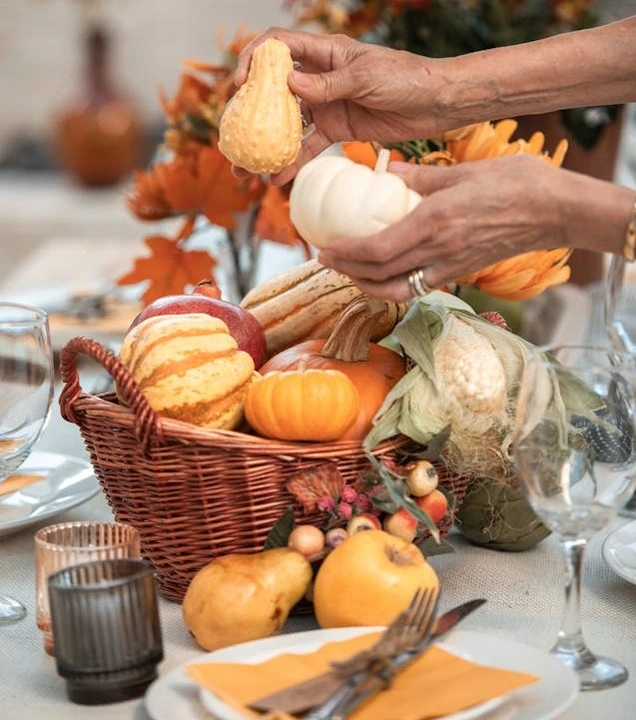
(366, 154)
(489, 141)
(524, 276)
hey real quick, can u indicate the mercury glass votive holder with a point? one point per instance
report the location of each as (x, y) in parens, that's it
(64, 544)
(107, 630)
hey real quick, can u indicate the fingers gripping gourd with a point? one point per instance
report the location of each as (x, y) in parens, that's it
(261, 128)
(334, 196)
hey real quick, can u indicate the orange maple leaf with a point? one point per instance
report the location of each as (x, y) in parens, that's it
(225, 195)
(170, 268)
(199, 181)
(181, 183)
(273, 221)
(190, 95)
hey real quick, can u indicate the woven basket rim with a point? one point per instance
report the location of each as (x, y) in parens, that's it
(187, 433)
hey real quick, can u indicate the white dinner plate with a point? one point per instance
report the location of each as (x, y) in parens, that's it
(68, 481)
(176, 695)
(619, 551)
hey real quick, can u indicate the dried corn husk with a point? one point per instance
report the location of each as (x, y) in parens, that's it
(425, 406)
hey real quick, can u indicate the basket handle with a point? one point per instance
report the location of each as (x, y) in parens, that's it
(147, 422)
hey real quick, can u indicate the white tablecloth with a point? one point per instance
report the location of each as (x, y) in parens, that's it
(524, 593)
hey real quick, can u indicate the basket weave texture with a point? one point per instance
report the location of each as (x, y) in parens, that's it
(192, 493)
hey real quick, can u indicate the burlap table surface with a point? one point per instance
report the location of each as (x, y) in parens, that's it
(524, 593)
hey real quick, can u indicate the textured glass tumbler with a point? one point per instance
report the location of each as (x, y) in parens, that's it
(107, 630)
(65, 544)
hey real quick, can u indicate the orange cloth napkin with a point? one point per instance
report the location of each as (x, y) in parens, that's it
(435, 685)
(18, 481)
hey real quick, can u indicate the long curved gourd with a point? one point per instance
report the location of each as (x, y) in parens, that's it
(305, 302)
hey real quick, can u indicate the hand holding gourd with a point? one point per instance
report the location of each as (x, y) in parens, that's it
(352, 91)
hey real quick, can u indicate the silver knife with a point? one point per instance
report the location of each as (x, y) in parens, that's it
(313, 692)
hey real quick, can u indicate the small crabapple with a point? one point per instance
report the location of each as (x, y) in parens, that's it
(364, 521)
(434, 504)
(402, 524)
(422, 478)
(308, 540)
(345, 510)
(335, 537)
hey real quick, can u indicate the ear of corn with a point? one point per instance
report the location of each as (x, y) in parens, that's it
(464, 376)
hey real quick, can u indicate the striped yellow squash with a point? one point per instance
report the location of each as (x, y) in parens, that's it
(189, 368)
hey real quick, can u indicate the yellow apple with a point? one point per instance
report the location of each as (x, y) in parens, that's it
(369, 579)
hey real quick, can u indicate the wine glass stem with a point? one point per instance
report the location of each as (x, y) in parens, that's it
(570, 638)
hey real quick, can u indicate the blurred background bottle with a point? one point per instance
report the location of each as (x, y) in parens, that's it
(99, 138)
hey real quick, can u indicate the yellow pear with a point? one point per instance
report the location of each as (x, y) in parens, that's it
(237, 598)
(369, 579)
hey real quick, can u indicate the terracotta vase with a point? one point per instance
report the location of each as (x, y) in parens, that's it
(99, 138)
(599, 161)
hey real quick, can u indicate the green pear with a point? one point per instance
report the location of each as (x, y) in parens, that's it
(242, 597)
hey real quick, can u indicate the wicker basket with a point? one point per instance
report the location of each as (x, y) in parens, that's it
(193, 493)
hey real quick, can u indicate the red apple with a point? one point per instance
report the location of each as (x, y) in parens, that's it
(401, 524)
(435, 504)
(243, 326)
(364, 521)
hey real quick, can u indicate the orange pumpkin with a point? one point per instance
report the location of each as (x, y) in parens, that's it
(373, 368)
(304, 404)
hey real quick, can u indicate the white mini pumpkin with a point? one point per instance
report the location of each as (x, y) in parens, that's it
(333, 196)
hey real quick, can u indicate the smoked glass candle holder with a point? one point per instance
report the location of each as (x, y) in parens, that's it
(65, 544)
(107, 631)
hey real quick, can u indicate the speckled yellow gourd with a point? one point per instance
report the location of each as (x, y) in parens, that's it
(189, 368)
(261, 128)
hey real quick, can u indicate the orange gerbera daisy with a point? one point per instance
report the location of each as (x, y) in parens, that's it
(527, 275)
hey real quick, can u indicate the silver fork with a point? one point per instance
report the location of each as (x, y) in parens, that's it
(408, 630)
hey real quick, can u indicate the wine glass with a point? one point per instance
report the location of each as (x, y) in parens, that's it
(26, 392)
(575, 454)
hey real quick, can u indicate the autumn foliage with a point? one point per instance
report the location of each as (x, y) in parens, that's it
(192, 179)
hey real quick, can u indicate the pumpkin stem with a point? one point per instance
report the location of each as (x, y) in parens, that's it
(382, 163)
(302, 363)
(349, 340)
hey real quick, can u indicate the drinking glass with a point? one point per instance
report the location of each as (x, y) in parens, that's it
(575, 453)
(107, 629)
(26, 392)
(67, 544)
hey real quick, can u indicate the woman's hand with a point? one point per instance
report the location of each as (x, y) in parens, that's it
(472, 215)
(355, 91)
